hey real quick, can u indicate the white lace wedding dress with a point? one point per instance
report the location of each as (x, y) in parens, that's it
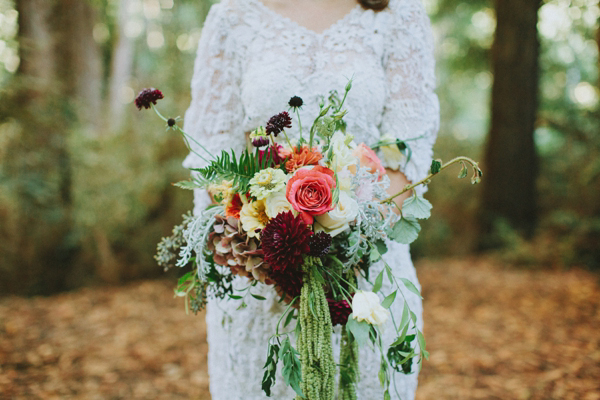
(250, 61)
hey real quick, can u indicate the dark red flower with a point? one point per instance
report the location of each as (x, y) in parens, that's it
(295, 102)
(274, 149)
(284, 241)
(278, 122)
(319, 244)
(339, 311)
(289, 282)
(147, 97)
(260, 141)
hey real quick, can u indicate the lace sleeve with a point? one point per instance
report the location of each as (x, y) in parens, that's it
(215, 114)
(412, 109)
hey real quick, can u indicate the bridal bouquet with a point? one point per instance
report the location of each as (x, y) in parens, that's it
(309, 218)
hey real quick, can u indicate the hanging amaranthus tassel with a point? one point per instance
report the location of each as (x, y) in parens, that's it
(348, 367)
(314, 342)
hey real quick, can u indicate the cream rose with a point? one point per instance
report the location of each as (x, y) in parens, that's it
(366, 307)
(342, 149)
(277, 203)
(337, 220)
(391, 153)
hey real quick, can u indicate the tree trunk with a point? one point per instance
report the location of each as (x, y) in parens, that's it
(509, 184)
(57, 86)
(122, 65)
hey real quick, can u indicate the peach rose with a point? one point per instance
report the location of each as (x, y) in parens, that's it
(369, 159)
(309, 192)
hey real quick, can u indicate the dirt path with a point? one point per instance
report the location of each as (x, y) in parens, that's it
(494, 333)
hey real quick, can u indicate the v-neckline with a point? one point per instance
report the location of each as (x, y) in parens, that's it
(297, 25)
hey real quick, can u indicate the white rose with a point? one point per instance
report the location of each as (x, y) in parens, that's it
(337, 220)
(277, 203)
(366, 307)
(391, 153)
(342, 152)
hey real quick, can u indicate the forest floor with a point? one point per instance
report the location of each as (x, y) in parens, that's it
(494, 332)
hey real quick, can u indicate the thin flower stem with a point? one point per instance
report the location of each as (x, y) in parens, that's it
(187, 137)
(284, 313)
(299, 124)
(287, 139)
(428, 177)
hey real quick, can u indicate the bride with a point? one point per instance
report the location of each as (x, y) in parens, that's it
(253, 56)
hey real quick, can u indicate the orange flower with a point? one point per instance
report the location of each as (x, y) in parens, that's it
(302, 158)
(234, 207)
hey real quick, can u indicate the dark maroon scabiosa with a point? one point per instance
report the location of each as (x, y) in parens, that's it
(319, 244)
(284, 241)
(296, 102)
(147, 97)
(278, 122)
(339, 311)
(171, 122)
(260, 141)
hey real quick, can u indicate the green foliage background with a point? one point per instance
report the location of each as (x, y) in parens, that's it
(123, 201)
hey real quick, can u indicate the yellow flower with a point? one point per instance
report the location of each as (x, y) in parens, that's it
(253, 217)
(222, 192)
(267, 181)
(391, 153)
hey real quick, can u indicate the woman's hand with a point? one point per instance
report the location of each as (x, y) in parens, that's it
(397, 182)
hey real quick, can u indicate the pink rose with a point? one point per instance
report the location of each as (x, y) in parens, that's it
(368, 158)
(309, 192)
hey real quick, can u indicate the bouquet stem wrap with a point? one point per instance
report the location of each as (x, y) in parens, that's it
(314, 343)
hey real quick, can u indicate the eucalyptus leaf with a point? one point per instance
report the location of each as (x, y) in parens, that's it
(417, 206)
(378, 282)
(257, 297)
(411, 286)
(358, 330)
(406, 230)
(389, 300)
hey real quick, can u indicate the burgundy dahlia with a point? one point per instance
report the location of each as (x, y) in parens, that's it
(289, 282)
(319, 244)
(339, 311)
(278, 122)
(285, 240)
(147, 97)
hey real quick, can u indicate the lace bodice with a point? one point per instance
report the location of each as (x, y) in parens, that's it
(250, 62)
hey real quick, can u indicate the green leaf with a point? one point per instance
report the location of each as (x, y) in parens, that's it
(359, 330)
(288, 318)
(292, 367)
(378, 282)
(405, 231)
(235, 297)
(386, 395)
(374, 255)
(421, 340)
(387, 302)
(390, 275)
(417, 206)
(463, 171)
(188, 185)
(436, 166)
(257, 297)
(270, 368)
(411, 286)
(381, 247)
(405, 317)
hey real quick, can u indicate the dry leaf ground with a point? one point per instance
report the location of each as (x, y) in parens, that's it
(493, 333)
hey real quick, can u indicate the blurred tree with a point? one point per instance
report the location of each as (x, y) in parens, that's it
(509, 187)
(57, 85)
